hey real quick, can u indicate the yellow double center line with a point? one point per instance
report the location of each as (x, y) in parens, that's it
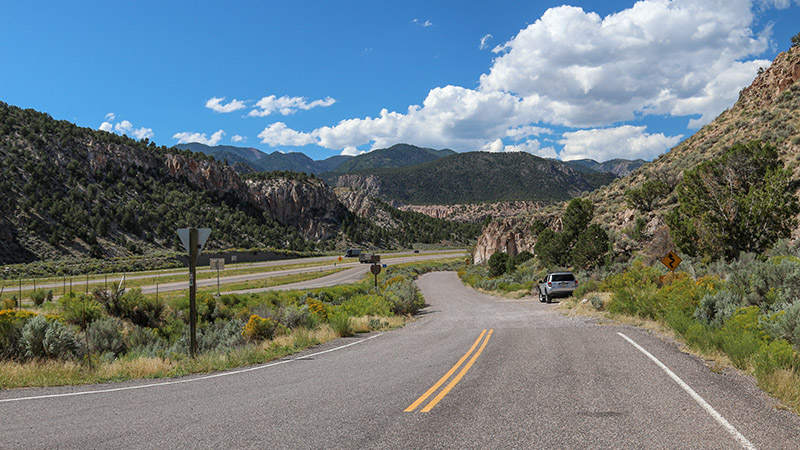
(450, 372)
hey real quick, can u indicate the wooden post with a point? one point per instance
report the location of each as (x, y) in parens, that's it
(193, 244)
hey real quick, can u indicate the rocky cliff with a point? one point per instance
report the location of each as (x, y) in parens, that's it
(475, 212)
(365, 206)
(310, 205)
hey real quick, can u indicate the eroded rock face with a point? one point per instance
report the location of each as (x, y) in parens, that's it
(510, 235)
(309, 205)
(475, 212)
(364, 206)
(370, 184)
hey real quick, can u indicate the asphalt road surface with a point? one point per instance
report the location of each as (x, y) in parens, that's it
(473, 372)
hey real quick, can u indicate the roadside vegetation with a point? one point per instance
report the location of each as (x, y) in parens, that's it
(113, 335)
(735, 299)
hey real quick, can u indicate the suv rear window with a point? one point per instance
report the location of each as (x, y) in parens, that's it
(563, 277)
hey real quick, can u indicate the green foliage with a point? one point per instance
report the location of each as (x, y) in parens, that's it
(717, 307)
(796, 40)
(105, 336)
(457, 179)
(260, 328)
(785, 324)
(78, 309)
(366, 305)
(223, 335)
(498, 263)
(647, 195)
(592, 244)
(579, 244)
(404, 297)
(341, 324)
(537, 227)
(11, 325)
(48, 339)
(40, 295)
(742, 201)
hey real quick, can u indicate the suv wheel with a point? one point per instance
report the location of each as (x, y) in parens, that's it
(541, 297)
(547, 298)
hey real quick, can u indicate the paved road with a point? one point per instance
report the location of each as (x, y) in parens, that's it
(527, 377)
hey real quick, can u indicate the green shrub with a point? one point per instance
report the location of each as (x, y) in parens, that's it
(260, 328)
(222, 335)
(146, 342)
(777, 354)
(78, 309)
(341, 324)
(39, 296)
(596, 302)
(585, 287)
(643, 302)
(42, 338)
(498, 264)
(717, 307)
(404, 298)
(785, 324)
(366, 305)
(11, 324)
(105, 335)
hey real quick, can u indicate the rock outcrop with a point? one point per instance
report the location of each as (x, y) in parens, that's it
(510, 235)
(365, 206)
(309, 205)
(475, 212)
(369, 184)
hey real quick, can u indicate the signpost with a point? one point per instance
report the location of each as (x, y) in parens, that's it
(219, 264)
(375, 269)
(671, 261)
(193, 240)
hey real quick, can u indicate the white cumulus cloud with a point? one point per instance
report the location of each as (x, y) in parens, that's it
(286, 105)
(237, 138)
(279, 134)
(423, 23)
(585, 70)
(215, 104)
(351, 151)
(627, 141)
(576, 69)
(125, 127)
(186, 137)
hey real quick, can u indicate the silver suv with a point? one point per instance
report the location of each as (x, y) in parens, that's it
(557, 285)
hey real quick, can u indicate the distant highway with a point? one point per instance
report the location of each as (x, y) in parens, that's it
(473, 371)
(78, 283)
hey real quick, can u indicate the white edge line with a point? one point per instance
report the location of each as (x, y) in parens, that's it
(709, 409)
(189, 380)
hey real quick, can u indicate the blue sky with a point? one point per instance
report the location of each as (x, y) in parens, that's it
(597, 79)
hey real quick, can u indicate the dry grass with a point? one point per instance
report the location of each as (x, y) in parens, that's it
(59, 373)
(785, 385)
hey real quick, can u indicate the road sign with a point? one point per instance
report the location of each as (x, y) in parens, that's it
(671, 261)
(375, 269)
(202, 237)
(217, 263)
(340, 258)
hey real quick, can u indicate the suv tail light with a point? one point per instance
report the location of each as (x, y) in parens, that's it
(549, 283)
(576, 282)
